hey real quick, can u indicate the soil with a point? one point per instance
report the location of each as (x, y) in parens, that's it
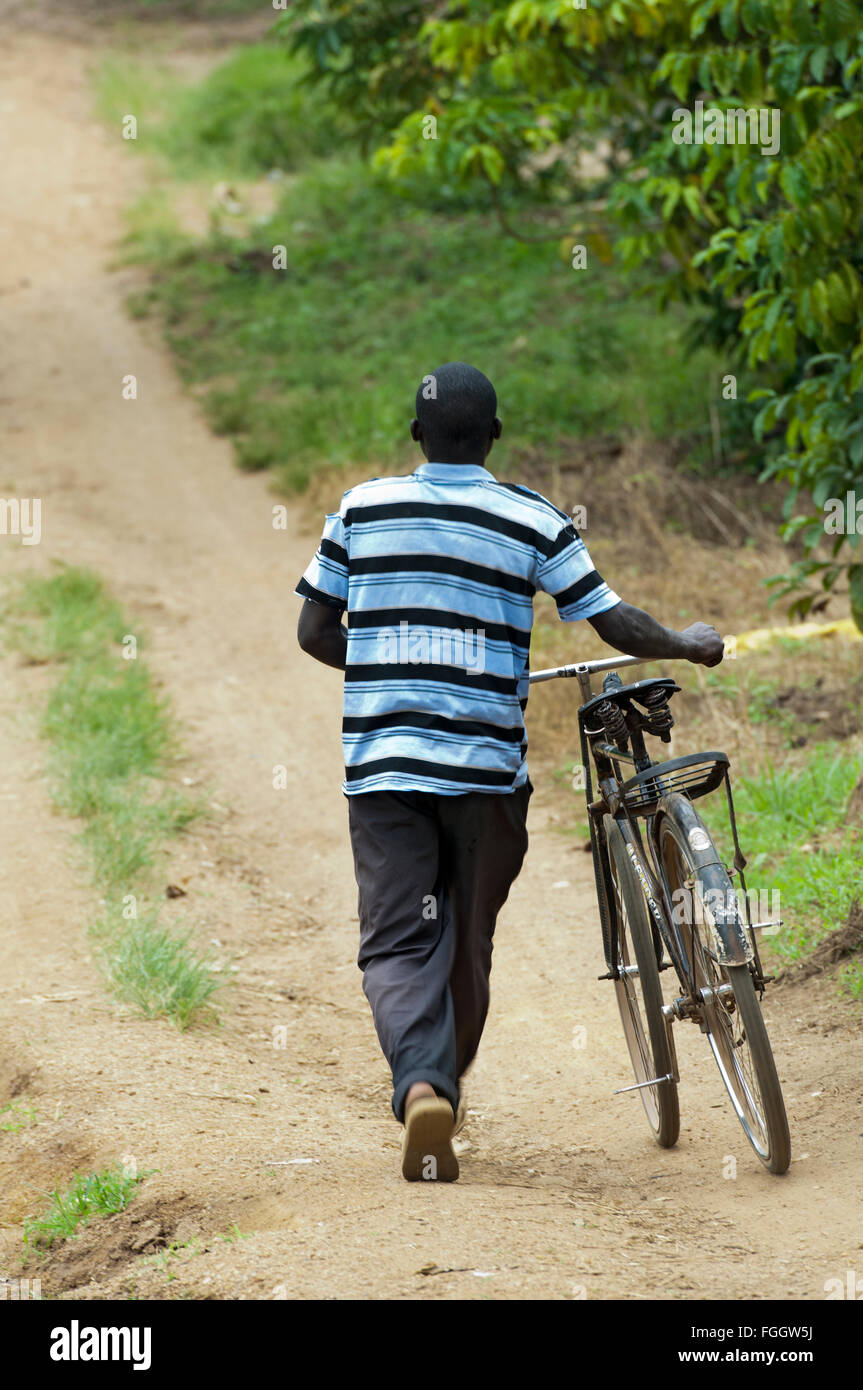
(274, 1169)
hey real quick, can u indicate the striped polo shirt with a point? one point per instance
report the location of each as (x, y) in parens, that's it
(437, 572)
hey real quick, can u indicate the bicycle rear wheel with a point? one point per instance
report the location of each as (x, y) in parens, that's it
(639, 994)
(732, 1014)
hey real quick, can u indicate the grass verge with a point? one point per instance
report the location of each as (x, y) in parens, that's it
(111, 732)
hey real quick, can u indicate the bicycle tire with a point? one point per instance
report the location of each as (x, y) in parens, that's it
(755, 1090)
(643, 1022)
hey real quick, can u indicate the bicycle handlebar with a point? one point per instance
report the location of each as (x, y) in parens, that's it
(585, 668)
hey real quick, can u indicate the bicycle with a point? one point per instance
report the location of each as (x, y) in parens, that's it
(666, 900)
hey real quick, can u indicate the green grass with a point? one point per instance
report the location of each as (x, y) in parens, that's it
(233, 1234)
(113, 743)
(175, 1255)
(160, 973)
(163, 1260)
(251, 115)
(88, 1196)
(16, 1116)
(320, 362)
(317, 365)
(75, 612)
(851, 981)
(794, 832)
(759, 692)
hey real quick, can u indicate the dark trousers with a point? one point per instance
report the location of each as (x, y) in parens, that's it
(433, 873)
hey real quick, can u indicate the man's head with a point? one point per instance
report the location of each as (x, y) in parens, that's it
(456, 420)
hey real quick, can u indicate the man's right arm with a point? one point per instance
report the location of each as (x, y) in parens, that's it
(321, 633)
(635, 632)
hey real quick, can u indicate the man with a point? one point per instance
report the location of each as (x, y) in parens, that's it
(437, 572)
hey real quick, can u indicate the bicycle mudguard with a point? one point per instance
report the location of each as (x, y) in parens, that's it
(720, 910)
(644, 874)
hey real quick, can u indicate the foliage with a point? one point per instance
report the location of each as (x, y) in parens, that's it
(767, 244)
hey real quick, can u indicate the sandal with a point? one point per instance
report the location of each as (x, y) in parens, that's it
(427, 1153)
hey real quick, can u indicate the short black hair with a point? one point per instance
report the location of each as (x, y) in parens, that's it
(456, 406)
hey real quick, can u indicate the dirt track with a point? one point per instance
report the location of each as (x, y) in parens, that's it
(563, 1192)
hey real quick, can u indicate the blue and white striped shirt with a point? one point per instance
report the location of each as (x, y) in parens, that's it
(437, 571)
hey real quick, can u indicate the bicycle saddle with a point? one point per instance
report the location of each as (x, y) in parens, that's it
(623, 694)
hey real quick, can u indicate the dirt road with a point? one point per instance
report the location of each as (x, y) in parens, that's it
(563, 1194)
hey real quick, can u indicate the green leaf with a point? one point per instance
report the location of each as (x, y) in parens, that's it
(818, 62)
(750, 76)
(670, 201)
(776, 244)
(728, 19)
(801, 21)
(700, 20)
(692, 201)
(794, 184)
(752, 15)
(837, 295)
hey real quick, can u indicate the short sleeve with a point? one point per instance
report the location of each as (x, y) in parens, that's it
(326, 578)
(568, 574)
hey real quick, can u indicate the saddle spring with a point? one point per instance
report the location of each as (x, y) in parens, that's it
(658, 719)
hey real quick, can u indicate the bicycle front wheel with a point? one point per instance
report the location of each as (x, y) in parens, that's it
(730, 1009)
(639, 994)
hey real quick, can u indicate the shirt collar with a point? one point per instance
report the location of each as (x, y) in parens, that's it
(454, 472)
